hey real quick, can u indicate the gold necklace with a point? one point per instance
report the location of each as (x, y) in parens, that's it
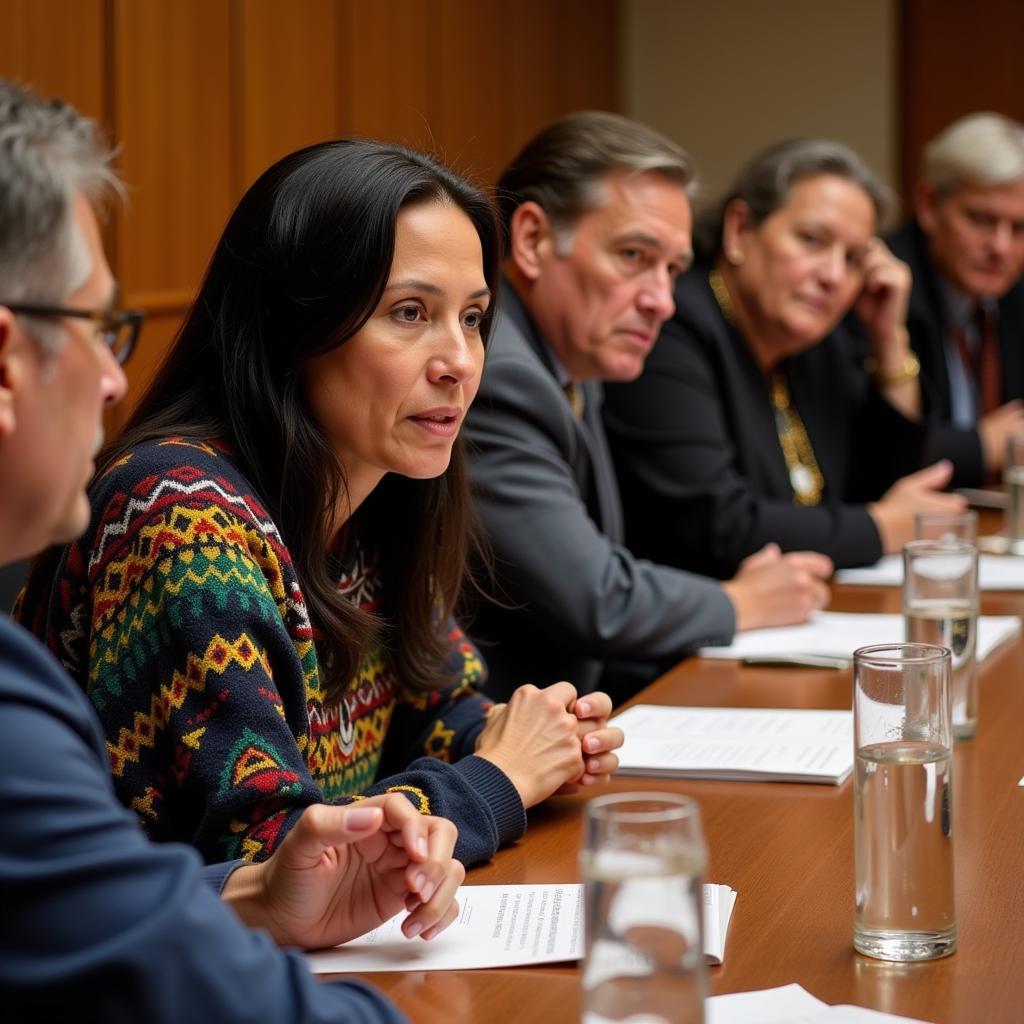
(804, 473)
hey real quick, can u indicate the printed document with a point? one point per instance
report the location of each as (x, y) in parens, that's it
(836, 635)
(994, 573)
(501, 926)
(737, 744)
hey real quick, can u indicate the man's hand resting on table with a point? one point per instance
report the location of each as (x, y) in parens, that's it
(342, 871)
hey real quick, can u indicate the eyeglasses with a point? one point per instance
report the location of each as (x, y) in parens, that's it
(117, 329)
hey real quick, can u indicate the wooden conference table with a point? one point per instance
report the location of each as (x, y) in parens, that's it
(788, 851)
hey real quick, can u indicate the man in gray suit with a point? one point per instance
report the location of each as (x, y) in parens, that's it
(597, 220)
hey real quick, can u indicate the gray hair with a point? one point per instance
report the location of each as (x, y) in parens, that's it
(764, 185)
(48, 154)
(561, 168)
(980, 149)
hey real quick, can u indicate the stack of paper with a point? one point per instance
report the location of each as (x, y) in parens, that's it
(718, 903)
(789, 1004)
(736, 744)
(994, 573)
(501, 926)
(836, 635)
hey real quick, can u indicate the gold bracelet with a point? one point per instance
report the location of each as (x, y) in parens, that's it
(910, 369)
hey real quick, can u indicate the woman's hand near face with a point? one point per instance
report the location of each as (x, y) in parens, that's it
(535, 740)
(882, 304)
(882, 308)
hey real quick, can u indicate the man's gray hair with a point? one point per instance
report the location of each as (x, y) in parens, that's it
(561, 168)
(981, 149)
(48, 154)
(765, 182)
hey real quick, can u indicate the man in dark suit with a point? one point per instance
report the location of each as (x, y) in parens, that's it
(965, 248)
(597, 221)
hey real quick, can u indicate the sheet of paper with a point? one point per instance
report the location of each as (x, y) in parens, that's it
(718, 903)
(736, 743)
(994, 573)
(768, 1006)
(789, 1004)
(500, 926)
(839, 634)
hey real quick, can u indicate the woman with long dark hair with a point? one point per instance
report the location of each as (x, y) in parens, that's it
(261, 610)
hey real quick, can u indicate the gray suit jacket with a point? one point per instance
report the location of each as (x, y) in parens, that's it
(547, 495)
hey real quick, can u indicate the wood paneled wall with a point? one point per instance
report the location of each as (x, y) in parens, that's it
(202, 95)
(956, 58)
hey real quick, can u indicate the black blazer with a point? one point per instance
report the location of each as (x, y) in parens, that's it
(926, 321)
(703, 478)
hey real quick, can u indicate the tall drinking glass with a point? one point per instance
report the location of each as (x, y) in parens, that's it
(643, 862)
(1013, 477)
(902, 802)
(947, 526)
(940, 606)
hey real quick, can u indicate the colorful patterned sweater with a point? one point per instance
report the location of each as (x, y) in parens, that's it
(180, 613)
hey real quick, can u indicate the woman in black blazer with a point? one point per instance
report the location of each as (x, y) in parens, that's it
(754, 420)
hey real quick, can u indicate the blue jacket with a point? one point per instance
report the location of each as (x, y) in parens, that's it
(98, 923)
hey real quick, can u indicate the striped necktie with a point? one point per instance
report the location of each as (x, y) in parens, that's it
(984, 362)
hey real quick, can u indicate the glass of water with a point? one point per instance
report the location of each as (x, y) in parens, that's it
(643, 861)
(947, 526)
(902, 802)
(1013, 477)
(940, 606)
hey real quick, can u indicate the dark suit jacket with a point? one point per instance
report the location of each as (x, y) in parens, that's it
(100, 924)
(12, 579)
(549, 503)
(926, 321)
(702, 474)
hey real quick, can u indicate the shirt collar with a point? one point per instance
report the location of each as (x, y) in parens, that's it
(561, 373)
(960, 306)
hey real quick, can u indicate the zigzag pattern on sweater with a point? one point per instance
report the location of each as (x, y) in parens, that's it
(151, 493)
(181, 614)
(176, 570)
(217, 657)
